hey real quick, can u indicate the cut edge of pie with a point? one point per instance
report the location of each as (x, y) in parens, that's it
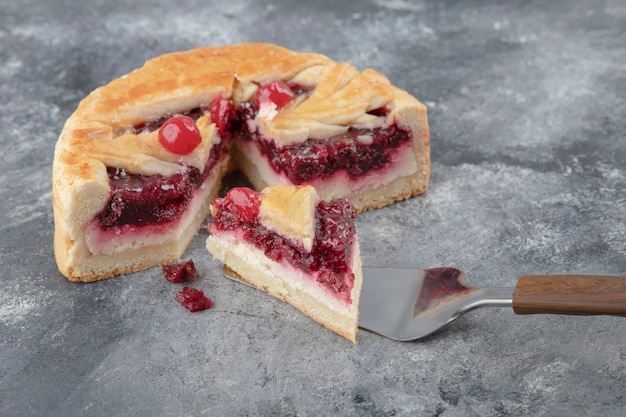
(96, 255)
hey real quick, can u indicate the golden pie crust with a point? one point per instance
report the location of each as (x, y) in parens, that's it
(290, 211)
(99, 134)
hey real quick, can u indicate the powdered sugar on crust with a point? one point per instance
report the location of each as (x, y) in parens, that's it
(268, 110)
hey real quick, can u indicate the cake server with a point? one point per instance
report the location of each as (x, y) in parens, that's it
(409, 304)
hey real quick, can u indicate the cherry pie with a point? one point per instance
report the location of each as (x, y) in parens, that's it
(140, 160)
(288, 242)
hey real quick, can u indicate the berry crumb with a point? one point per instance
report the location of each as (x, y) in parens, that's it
(193, 299)
(180, 272)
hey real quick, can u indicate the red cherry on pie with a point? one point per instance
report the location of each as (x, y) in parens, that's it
(180, 135)
(276, 92)
(222, 114)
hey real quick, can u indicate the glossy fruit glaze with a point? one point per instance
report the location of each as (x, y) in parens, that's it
(330, 256)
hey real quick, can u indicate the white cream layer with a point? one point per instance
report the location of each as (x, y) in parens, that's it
(288, 279)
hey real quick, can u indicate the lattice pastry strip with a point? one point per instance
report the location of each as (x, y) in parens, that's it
(142, 153)
(341, 99)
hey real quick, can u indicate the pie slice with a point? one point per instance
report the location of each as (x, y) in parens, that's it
(140, 160)
(301, 249)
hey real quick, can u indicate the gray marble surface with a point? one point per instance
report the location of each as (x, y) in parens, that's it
(527, 108)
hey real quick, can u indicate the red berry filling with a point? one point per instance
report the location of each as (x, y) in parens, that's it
(180, 272)
(193, 299)
(318, 158)
(156, 124)
(142, 200)
(331, 250)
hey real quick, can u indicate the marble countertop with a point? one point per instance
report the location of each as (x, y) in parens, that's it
(527, 110)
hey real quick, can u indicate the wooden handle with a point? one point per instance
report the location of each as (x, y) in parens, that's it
(570, 294)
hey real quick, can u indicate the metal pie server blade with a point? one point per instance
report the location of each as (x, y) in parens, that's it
(409, 304)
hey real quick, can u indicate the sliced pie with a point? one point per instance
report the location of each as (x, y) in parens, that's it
(140, 160)
(295, 246)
